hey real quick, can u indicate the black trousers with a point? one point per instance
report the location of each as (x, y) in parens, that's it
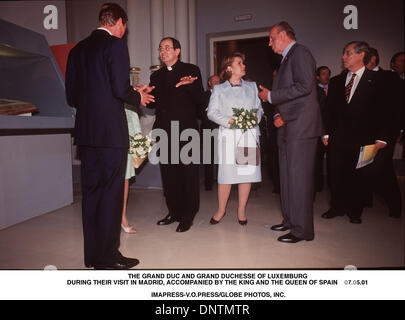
(384, 180)
(182, 190)
(347, 184)
(102, 179)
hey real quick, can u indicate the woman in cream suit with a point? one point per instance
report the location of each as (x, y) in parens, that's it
(234, 92)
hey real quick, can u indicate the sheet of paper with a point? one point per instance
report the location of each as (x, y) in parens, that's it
(366, 156)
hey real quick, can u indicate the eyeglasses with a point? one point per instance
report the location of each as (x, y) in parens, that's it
(166, 48)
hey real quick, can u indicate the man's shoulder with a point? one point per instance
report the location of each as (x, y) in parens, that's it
(188, 66)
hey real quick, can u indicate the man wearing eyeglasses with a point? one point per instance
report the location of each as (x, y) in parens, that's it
(178, 97)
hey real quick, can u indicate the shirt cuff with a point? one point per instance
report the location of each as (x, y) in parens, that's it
(381, 141)
(269, 97)
(276, 115)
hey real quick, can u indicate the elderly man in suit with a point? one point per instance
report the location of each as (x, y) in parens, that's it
(97, 85)
(353, 120)
(299, 125)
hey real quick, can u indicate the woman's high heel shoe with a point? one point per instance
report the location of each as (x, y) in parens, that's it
(242, 222)
(213, 221)
(129, 229)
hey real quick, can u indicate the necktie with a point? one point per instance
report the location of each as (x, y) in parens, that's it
(349, 87)
(325, 89)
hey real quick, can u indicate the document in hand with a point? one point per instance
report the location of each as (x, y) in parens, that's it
(366, 156)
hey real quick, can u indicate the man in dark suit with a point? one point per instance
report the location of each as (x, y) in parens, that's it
(179, 93)
(299, 128)
(322, 76)
(384, 180)
(354, 119)
(209, 168)
(97, 85)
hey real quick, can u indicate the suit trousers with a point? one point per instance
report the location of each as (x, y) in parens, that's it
(102, 178)
(347, 184)
(297, 184)
(383, 179)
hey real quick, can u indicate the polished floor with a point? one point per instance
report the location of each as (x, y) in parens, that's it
(56, 238)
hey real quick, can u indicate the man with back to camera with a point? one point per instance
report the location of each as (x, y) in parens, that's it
(179, 97)
(299, 128)
(97, 85)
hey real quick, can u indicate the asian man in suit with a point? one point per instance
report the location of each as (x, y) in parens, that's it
(354, 119)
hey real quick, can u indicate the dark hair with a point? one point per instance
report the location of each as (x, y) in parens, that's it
(318, 70)
(110, 13)
(176, 44)
(359, 47)
(227, 62)
(285, 26)
(395, 56)
(374, 53)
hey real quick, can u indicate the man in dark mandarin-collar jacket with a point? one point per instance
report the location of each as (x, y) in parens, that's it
(97, 85)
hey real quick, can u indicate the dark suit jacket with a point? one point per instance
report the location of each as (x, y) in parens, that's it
(394, 100)
(322, 101)
(97, 85)
(362, 121)
(207, 123)
(295, 97)
(181, 104)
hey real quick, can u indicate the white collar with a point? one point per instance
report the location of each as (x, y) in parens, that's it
(101, 28)
(358, 73)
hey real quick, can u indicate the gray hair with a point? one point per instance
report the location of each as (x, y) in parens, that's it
(359, 47)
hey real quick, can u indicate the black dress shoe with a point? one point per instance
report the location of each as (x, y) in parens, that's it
(242, 222)
(279, 227)
(166, 220)
(355, 220)
(330, 214)
(213, 221)
(122, 264)
(290, 238)
(183, 226)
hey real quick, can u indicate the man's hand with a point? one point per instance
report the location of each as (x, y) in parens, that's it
(278, 122)
(144, 88)
(379, 145)
(144, 91)
(186, 80)
(325, 141)
(263, 95)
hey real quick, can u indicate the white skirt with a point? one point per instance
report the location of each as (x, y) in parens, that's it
(228, 171)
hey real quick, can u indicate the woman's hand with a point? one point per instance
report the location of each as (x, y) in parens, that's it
(231, 121)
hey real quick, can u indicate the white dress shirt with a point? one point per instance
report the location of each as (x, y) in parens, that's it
(101, 28)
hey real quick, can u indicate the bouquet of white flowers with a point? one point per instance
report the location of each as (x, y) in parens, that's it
(139, 147)
(244, 119)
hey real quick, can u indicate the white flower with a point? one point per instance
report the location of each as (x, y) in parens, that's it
(240, 125)
(249, 124)
(243, 113)
(254, 121)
